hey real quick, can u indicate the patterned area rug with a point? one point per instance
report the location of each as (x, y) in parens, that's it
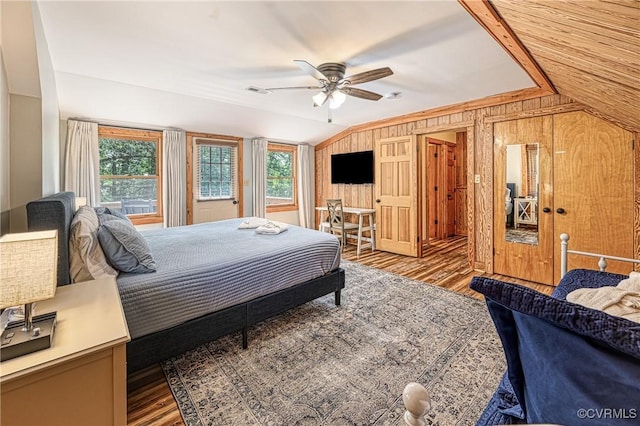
(320, 364)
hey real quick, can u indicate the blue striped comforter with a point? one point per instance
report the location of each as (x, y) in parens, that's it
(208, 267)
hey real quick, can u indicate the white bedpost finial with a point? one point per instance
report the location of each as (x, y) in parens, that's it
(602, 263)
(563, 254)
(417, 402)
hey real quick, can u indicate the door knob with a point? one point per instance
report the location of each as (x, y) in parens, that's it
(560, 210)
(235, 202)
(378, 200)
(546, 210)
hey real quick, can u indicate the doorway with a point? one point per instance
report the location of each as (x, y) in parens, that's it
(444, 186)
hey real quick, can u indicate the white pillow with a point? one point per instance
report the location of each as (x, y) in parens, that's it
(87, 260)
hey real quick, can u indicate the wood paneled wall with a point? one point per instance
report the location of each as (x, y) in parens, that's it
(480, 161)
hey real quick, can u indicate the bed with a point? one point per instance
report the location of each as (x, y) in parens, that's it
(566, 363)
(211, 279)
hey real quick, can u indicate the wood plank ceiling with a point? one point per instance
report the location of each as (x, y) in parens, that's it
(590, 50)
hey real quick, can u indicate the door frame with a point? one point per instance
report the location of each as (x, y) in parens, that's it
(467, 127)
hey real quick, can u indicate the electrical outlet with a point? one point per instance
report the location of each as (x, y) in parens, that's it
(476, 178)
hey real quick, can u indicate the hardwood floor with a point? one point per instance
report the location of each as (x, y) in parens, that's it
(444, 264)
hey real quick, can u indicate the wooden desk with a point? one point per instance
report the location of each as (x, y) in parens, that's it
(82, 378)
(360, 212)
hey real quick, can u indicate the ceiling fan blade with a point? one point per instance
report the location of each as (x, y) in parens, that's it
(295, 88)
(310, 69)
(360, 93)
(363, 77)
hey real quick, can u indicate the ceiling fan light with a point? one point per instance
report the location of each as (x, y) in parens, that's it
(336, 99)
(319, 98)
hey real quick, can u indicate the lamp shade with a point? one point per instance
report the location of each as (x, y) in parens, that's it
(336, 99)
(319, 98)
(28, 267)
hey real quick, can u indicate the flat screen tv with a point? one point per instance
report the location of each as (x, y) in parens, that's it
(352, 167)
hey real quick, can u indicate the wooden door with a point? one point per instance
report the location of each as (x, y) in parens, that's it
(210, 210)
(461, 227)
(450, 190)
(433, 171)
(593, 185)
(529, 261)
(396, 192)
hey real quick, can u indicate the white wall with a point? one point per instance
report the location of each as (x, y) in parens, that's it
(33, 116)
(25, 134)
(5, 171)
(50, 110)
(514, 167)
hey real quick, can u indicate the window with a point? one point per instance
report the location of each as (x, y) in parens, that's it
(217, 169)
(281, 178)
(130, 172)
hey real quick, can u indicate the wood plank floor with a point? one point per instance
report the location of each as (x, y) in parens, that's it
(444, 264)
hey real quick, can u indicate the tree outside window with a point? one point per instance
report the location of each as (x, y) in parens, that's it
(281, 179)
(130, 172)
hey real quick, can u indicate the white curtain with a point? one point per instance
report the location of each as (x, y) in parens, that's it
(259, 157)
(82, 161)
(174, 177)
(305, 187)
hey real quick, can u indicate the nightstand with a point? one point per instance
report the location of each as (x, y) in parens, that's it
(82, 378)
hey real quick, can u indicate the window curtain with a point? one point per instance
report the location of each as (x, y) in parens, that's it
(82, 161)
(305, 187)
(259, 160)
(174, 177)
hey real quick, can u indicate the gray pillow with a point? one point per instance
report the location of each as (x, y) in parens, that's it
(125, 248)
(102, 211)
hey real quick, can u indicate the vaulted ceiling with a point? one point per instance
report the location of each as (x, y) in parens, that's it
(589, 50)
(188, 64)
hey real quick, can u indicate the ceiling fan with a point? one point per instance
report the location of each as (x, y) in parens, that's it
(334, 86)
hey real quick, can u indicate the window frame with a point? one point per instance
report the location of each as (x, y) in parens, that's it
(276, 147)
(141, 135)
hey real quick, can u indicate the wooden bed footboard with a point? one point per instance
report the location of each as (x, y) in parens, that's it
(602, 262)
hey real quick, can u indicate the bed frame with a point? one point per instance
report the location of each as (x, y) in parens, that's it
(56, 212)
(602, 258)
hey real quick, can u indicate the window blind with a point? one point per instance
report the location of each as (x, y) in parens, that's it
(216, 169)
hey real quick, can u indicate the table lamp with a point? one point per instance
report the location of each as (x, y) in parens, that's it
(28, 273)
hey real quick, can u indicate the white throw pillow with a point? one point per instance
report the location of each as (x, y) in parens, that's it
(87, 260)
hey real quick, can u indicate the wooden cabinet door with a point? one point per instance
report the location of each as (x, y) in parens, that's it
(593, 185)
(531, 260)
(396, 195)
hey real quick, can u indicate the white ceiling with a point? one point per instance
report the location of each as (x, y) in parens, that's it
(188, 64)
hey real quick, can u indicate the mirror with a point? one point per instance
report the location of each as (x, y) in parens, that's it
(521, 193)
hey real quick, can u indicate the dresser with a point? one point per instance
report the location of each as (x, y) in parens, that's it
(82, 378)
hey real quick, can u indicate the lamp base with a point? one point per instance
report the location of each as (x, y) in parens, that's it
(16, 342)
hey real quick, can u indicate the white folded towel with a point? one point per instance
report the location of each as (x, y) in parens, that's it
(252, 222)
(622, 300)
(272, 228)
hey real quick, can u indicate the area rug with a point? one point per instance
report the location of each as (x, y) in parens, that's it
(321, 364)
